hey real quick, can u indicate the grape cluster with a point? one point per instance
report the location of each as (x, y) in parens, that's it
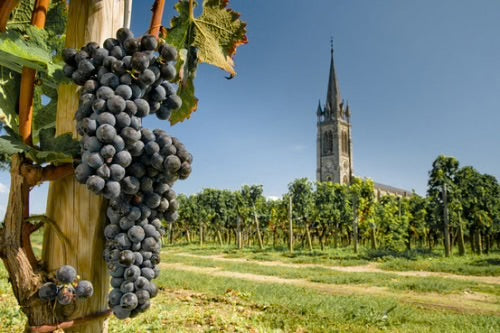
(134, 167)
(67, 287)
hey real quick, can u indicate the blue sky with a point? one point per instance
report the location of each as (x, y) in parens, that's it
(422, 79)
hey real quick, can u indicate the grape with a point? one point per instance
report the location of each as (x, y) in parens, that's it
(114, 297)
(136, 148)
(148, 273)
(164, 140)
(66, 274)
(123, 241)
(135, 122)
(127, 287)
(69, 56)
(106, 118)
(130, 135)
(151, 148)
(168, 72)
(117, 271)
(173, 102)
(137, 170)
(123, 34)
(83, 172)
(110, 79)
(140, 61)
(130, 106)
(48, 291)
(124, 91)
(111, 190)
(132, 273)
(136, 234)
(131, 45)
(119, 68)
(95, 184)
(130, 185)
(81, 55)
(86, 67)
(126, 223)
(84, 289)
(154, 106)
(90, 86)
(117, 52)
(123, 158)
(98, 106)
(129, 301)
(146, 184)
(164, 113)
(99, 55)
(126, 79)
(117, 172)
(116, 104)
(168, 52)
(122, 120)
(147, 77)
(65, 295)
(118, 143)
(110, 43)
(78, 77)
(127, 258)
(138, 258)
(150, 231)
(103, 171)
(134, 214)
(111, 230)
(106, 133)
(104, 92)
(116, 282)
(68, 70)
(120, 312)
(142, 107)
(172, 163)
(149, 43)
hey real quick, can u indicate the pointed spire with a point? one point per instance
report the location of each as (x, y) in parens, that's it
(319, 111)
(333, 98)
(348, 112)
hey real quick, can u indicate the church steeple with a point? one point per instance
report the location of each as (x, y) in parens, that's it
(333, 97)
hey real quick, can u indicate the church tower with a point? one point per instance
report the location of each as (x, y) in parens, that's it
(334, 143)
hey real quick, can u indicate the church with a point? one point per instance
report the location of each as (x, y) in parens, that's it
(334, 140)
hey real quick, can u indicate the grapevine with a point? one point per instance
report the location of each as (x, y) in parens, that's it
(135, 168)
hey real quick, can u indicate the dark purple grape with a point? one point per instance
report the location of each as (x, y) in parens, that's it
(48, 291)
(66, 274)
(84, 289)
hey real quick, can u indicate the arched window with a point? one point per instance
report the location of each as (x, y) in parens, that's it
(330, 142)
(343, 142)
(346, 179)
(325, 143)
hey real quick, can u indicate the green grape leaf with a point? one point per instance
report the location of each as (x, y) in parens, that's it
(45, 109)
(216, 34)
(211, 38)
(186, 70)
(9, 95)
(54, 150)
(63, 144)
(21, 15)
(18, 50)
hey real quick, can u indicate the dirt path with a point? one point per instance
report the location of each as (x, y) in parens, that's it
(462, 303)
(370, 268)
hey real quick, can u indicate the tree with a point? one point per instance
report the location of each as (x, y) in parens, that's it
(441, 186)
(301, 192)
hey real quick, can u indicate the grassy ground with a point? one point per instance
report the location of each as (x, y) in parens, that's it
(209, 290)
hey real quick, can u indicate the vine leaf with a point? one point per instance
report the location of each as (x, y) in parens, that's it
(9, 93)
(55, 150)
(211, 38)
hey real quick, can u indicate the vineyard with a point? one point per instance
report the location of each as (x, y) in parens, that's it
(461, 210)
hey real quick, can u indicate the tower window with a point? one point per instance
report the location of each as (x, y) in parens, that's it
(327, 143)
(344, 144)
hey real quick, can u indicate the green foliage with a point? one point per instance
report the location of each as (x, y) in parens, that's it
(55, 150)
(212, 38)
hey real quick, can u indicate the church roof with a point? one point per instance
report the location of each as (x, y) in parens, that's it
(392, 189)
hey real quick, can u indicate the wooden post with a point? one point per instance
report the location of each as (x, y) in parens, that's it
(355, 225)
(238, 232)
(290, 226)
(446, 224)
(259, 236)
(79, 213)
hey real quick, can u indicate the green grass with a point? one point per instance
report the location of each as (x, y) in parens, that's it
(289, 308)
(325, 275)
(414, 260)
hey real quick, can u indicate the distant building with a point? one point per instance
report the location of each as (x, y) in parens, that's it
(334, 140)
